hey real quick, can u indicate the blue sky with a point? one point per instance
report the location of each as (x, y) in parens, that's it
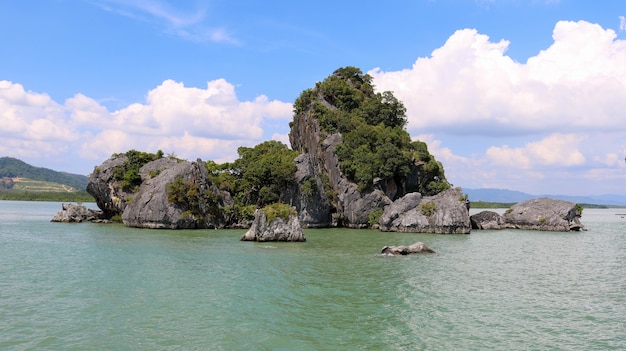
(521, 95)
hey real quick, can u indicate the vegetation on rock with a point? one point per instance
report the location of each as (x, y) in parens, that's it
(196, 202)
(127, 175)
(278, 210)
(375, 143)
(259, 177)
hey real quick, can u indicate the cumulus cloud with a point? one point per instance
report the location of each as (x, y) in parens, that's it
(470, 86)
(190, 122)
(568, 102)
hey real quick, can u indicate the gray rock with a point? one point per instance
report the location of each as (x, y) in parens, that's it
(444, 213)
(398, 207)
(110, 197)
(150, 207)
(278, 229)
(544, 214)
(310, 198)
(342, 201)
(76, 213)
(418, 247)
(487, 220)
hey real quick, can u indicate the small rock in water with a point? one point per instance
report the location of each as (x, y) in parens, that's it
(418, 247)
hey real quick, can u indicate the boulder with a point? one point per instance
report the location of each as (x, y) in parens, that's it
(544, 214)
(444, 213)
(76, 213)
(487, 220)
(279, 229)
(151, 208)
(418, 247)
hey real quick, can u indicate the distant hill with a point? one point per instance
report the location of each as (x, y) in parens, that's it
(510, 196)
(14, 168)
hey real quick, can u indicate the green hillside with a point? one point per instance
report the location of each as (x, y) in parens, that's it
(14, 168)
(21, 181)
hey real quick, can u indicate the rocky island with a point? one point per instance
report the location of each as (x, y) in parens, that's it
(351, 164)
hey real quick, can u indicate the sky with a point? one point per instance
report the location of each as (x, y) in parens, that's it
(525, 95)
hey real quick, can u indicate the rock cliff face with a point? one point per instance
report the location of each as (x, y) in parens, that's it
(110, 197)
(338, 196)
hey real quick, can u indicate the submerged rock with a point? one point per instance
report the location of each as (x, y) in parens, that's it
(418, 247)
(278, 229)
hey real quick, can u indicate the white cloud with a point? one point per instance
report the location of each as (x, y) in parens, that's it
(556, 150)
(562, 111)
(469, 85)
(190, 122)
(622, 23)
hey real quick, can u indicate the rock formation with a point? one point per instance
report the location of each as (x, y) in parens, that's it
(487, 220)
(278, 229)
(199, 203)
(544, 214)
(444, 213)
(110, 197)
(418, 247)
(151, 207)
(348, 206)
(76, 213)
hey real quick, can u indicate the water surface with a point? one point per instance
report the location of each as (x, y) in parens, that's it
(106, 287)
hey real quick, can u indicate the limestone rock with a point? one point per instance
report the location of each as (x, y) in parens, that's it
(278, 229)
(444, 213)
(150, 207)
(110, 197)
(339, 198)
(310, 198)
(418, 247)
(487, 220)
(544, 214)
(76, 213)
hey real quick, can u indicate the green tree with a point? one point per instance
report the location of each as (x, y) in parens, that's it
(259, 176)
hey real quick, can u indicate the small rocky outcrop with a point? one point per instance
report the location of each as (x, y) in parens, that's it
(76, 213)
(544, 214)
(444, 213)
(418, 247)
(487, 220)
(277, 229)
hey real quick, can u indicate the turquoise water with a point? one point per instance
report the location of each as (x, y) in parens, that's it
(106, 287)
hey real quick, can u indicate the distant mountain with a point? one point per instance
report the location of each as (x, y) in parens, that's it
(14, 168)
(510, 196)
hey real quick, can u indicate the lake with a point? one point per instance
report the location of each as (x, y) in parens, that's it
(92, 286)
